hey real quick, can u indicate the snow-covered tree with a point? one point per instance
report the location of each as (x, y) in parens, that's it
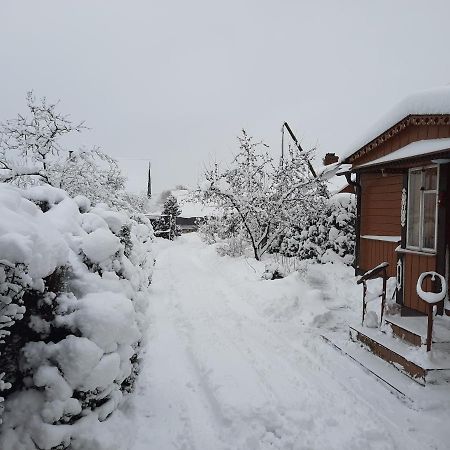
(32, 152)
(91, 173)
(30, 145)
(170, 213)
(264, 197)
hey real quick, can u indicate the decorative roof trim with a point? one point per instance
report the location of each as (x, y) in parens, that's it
(413, 119)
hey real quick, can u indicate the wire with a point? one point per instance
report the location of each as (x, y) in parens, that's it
(132, 159)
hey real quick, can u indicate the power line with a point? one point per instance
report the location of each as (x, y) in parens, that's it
(131, 158)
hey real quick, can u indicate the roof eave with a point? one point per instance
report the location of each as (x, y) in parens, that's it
(400, 161)
(410, 119)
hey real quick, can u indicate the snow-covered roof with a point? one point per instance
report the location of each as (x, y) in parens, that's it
(336, 184)
(418, 148)
(190, 207)
(430, 101)
(329, 173)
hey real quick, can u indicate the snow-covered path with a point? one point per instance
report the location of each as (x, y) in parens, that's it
(218, 374)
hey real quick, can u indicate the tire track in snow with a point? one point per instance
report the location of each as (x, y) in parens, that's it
(172, 412)
(257, 360)
(238, 383)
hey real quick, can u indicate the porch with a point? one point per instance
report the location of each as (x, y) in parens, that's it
(418, 345)
(401, 341)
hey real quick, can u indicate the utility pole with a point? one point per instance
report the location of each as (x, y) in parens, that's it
(149, 182)
(288, 128)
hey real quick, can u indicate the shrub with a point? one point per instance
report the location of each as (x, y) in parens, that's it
(74, 282)
(331, 229)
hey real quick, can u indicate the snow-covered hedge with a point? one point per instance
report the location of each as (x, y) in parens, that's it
(73, 294)
(327, 232)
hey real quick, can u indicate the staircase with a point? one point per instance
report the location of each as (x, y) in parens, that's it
(401, 342)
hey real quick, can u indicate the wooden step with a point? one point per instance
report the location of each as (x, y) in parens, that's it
(393, 380)
(414, 329)
(422, 367)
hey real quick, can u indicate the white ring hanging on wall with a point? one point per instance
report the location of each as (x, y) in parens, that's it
(431, 297)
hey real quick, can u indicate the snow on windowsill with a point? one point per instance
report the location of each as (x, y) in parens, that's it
(415, 252)
(382, 238)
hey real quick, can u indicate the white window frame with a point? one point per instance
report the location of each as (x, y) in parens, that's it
(420, 248)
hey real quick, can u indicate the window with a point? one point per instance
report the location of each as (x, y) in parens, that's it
(422, 208)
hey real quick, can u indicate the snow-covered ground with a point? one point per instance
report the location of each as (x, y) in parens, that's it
(236, 362)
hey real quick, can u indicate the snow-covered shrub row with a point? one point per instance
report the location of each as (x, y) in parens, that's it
(327, 232)
(73, 294)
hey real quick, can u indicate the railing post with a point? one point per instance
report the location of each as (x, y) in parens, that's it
(431, 299)
(383, 295)
(364, 302)
(430, 326)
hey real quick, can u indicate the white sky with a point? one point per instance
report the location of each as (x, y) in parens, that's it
(174, 81)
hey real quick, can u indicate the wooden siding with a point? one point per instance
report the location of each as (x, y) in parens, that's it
(410, 134)
(413, 266)
(374, 252)
(380, 204)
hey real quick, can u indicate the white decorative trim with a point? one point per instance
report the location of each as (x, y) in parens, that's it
(403, 208)
(399, 274)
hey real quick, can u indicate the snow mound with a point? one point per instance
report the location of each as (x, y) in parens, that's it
(100, 245)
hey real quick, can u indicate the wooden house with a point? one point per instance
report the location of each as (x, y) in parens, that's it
(402, 169)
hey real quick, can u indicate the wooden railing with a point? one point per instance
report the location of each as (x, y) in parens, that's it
(379, 271)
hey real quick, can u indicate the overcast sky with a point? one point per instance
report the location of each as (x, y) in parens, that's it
(174, 81)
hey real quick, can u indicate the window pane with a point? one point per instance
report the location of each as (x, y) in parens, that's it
(429, 219)
(430, 179)
(414, 208)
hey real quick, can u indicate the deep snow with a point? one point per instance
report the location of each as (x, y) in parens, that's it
(237, 362)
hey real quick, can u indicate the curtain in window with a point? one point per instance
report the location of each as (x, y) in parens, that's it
(415, 183)
(422, 197)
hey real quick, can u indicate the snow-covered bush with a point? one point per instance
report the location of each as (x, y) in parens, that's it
(233, 246)
(73, 294)
(220, 227)
(273, 271)
(328, 231)
(208, 230)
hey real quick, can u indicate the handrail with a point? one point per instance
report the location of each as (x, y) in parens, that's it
(371, 274)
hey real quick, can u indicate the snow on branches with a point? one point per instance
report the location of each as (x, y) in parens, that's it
(28, 144)
(31, 152)
(328, 231)
(265, 197)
